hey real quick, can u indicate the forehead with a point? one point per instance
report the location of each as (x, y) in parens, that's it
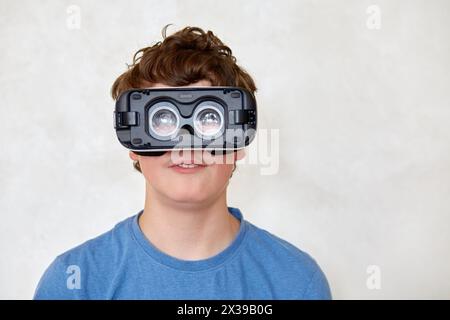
(201, 83)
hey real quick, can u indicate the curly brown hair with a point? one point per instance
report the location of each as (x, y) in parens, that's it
(185, 57)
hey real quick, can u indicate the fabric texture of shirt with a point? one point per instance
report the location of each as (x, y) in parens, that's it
(123, 264)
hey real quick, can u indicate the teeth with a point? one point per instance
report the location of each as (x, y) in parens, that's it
(190, 166)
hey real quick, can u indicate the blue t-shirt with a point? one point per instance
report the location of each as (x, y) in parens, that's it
(123, 264)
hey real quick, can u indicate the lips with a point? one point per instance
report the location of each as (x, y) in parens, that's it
(187, 167)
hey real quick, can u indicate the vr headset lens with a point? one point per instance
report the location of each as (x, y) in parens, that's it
(208, 121)
(164, 122)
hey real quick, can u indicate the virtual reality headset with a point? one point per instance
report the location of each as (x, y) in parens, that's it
(155, 120)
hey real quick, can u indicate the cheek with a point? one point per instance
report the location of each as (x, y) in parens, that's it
(151, 169)
(220, 178)
(221, 173)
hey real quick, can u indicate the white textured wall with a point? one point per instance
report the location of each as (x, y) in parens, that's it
(364, 176)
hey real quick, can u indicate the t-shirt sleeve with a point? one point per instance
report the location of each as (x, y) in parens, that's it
(318, 288)
(58, 283)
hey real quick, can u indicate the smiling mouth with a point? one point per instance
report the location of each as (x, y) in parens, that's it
(189, 166)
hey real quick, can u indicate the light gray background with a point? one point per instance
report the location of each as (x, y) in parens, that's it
(363, 115)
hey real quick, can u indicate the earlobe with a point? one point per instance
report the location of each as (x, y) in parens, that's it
(133, 156)
(239, 154)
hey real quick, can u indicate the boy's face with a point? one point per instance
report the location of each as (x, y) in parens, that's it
(201, 179)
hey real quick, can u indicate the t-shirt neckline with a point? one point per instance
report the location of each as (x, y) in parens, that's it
(191, 265)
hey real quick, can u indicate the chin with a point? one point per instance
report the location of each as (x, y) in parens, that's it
(191, 192)
(189, 198)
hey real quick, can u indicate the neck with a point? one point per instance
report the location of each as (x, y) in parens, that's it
(185, 230)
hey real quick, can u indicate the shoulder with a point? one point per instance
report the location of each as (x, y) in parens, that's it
(80, 272)
(297, 269)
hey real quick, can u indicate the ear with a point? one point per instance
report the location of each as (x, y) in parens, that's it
(133, 156)
(239, 154)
